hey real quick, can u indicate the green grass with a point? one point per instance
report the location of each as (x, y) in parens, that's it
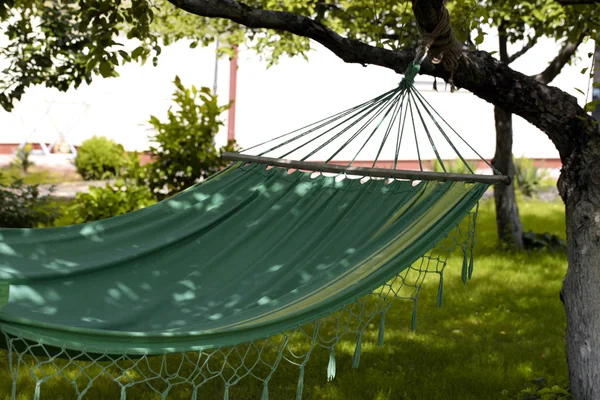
(497, 333)
(36, 176)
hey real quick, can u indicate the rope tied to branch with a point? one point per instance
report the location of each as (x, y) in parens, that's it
(442, 46)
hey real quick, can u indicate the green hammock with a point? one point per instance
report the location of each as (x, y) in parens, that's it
(257, 265)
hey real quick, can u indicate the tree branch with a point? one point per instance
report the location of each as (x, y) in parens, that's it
(565, 123)
(502, 44)
(563, 57)
(349, 50)
(532, 42)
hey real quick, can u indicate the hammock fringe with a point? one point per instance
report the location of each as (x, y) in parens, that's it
(381, 330)
(357, 350)
(413, 324)
(226, 393)
(265, 392)
(300, 383)
(331, 366)
(440, 293)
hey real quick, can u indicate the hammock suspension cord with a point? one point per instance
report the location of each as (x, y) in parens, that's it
(351, 131)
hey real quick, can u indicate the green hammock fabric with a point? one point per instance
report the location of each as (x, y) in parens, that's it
(250, 253)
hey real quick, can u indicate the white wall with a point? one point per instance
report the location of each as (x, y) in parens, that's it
(270, 102)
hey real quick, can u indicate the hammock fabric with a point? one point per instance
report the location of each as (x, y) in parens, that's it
(224, 275)
(244, 256)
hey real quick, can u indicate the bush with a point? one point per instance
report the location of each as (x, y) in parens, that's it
(22, 206)
(22, 160)
(543, 241)
(539, 389)
(454, 167)
(100, 158)
(109, 201)
(528, 177)
(185, 152)
(184, 155)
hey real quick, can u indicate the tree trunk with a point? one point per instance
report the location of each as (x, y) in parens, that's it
(581, 287)
(508, 222)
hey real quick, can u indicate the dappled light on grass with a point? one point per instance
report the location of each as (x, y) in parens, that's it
(502, 329)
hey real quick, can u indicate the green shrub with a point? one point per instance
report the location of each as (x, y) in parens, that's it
(100, 158)
(109, 201)
(540, 389)
(543, 241)
(22, 160)
(133, 171)
(454, 167)
(185, 152)
(528, 177)
(22, 206)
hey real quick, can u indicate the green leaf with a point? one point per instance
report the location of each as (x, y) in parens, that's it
(90, 65)
(194, 44)
(106, 69)
(537, 13)
(580, 91)
(124, 55)
(137, 52)
(583, 71)
(591, 106)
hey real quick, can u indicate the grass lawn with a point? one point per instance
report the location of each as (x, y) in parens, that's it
(490, 339)
(37, 176)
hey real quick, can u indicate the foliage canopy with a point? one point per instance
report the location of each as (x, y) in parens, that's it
(62, 43)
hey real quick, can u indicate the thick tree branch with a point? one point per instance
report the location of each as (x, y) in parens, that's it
(563, 57)
(349, 50)
(550, 109)
(532, 42)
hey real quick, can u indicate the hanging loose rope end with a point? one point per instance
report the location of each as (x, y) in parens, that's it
(442, 46)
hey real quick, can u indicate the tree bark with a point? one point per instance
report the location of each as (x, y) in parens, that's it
(509, 226)
(508, 222)
(580, 187)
